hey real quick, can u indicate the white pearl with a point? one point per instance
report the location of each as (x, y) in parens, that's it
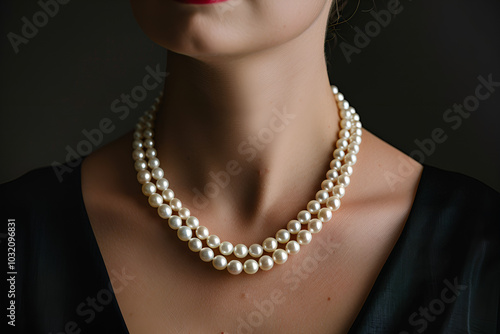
(157, 173)
(358, 125)
(347, 170)
(280, 256)
(184, 233)
(304, 216)
(292, 247)
(251, 266)
(344, 180)
(357, 132)
(226, 248)
(219, 262)
(339, 154)
(148, 143)
(140, 165)
(344, 124)
(174, 222)
(344, 133)
(338, 191)
(332, 174)
(195, 244)
(282, 236)
(139, 126)
(355, 139)
(335, 164)
(155, 200)
(206, 254)
(148, 188)
(138, 135)
(344, 105)
(327, 185)
(294, 226)
(333, 203)
(240, 251)
(143, 176)
(138, 154)
(322, 196)
(151, 153)
(355, 116)
(304, 237)
(270, 244)
(162, 184)
(192, 222)
(335, 90)
(154, 163)
(266, 262)
(164, 211)
(313, 206)
(202, 232)
(342, 143)
(176, 204)
(353, 148)
(137, 144)
(347, 114)
(184, 213)
(325, 215)
(148, 133)
(255, 250)
(213, 241)
(350, 159)
(340, 97)
(167, 194)
(315, 225)
(234, 267)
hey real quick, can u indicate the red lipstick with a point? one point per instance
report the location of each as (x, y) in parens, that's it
(200, 2)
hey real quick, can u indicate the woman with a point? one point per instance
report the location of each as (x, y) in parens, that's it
(245, 132)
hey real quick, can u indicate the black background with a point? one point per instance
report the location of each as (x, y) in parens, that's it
(427, 59)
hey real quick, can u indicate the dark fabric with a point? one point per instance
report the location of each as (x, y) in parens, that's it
(62, 283)
(443, 275)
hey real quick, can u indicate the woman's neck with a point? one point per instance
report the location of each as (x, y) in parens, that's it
(267, 120)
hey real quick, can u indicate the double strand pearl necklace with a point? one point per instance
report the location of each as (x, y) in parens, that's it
(287, 241)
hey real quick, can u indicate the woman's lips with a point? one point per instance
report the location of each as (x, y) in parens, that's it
(200, 2)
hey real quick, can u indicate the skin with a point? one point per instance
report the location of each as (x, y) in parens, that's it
(228, 71)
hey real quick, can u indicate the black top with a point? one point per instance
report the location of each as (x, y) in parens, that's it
(443, 275)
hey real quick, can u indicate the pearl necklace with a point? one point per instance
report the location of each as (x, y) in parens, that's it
(287, 241)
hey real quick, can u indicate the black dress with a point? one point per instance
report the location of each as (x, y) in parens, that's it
(443, 275)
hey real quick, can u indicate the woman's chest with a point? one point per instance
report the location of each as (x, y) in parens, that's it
(319, 290)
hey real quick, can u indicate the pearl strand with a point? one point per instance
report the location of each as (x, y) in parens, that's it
(273, 250)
